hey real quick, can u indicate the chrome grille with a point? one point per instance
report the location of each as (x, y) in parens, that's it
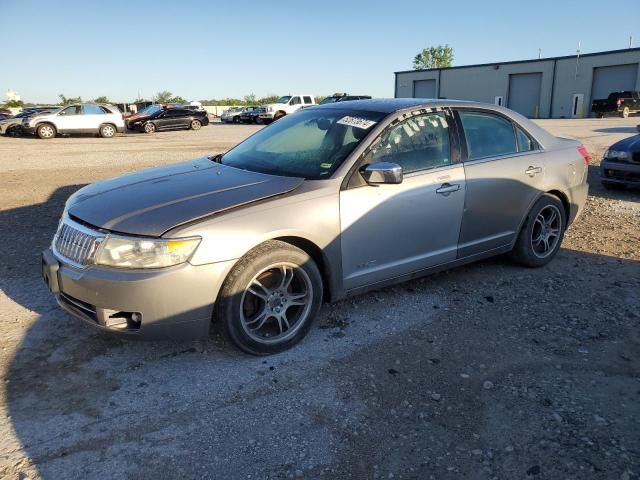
(75, 243)
(261, 110)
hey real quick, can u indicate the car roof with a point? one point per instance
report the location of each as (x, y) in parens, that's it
(390, 105)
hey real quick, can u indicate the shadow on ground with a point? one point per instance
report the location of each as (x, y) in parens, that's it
(487, 370)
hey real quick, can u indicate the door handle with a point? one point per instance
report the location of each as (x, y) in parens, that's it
(533, 171)
(447, 188)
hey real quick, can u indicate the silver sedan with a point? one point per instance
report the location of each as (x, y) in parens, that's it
(329, 202)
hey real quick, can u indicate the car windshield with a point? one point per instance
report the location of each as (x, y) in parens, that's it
(284, 99)
(151, 109)
(311, 143)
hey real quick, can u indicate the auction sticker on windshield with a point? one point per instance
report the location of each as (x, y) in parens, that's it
(356, 122)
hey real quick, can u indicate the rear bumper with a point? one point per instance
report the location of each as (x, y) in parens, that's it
(173, 303)
(578, 200)
(620, 173)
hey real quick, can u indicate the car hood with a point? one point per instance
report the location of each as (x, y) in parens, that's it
(631, 144)
(156, 200)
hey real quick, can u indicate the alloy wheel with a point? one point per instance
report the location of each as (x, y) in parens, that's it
(46, 131)
(108, 131)
(276, 303)
(545, 233)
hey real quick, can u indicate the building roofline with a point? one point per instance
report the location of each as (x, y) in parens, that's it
(511, 62)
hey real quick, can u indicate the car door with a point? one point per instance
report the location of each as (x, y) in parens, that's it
(69, 119)
(504, 171)
(92, 117)
(390, 230)
(162, 119)
(295, 103)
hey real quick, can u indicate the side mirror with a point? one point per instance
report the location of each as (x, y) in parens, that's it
(382, 173)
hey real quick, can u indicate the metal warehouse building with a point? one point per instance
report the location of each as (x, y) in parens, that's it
(545, 88)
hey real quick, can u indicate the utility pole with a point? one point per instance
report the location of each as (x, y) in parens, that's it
(539, 53)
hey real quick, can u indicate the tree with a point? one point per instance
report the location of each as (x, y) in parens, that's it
(69, 100)
(163, 97)
(176, 99)
(14, 104)
(440, 56)
(101, 99)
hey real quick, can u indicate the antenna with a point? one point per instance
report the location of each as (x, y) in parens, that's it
(575, 76)
(630, 41)
(539, 53)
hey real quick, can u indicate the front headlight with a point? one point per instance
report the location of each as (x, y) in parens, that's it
(130, 252)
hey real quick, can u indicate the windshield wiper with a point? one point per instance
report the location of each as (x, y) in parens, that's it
(216, 158)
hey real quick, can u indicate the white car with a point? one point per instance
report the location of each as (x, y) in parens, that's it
(285, 106)
(105, 120)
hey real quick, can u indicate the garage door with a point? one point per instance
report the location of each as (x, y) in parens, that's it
(524, 93)
(613, 79)
(424, 89)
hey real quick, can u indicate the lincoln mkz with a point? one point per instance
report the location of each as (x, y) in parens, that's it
(328, 202)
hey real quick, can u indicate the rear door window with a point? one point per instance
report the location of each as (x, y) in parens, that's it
(487, 135)
(93, 110)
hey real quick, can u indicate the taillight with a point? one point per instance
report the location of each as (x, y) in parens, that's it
(585, 155)
(619, 102)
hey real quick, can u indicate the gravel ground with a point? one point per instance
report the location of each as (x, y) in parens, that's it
(486, 371)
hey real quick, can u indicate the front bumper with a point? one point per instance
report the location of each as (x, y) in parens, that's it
(267, 116)
(175, 302)
(622, 173)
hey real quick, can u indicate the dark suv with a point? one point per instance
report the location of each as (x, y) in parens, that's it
(169, 119)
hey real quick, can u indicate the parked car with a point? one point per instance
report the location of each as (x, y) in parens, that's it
(330, 202)
(5, 111)
(620, 165)
(284, 106)
(620, 103)
(343, 97)
(105, 120)
(12, 126)
(231, 115)
(249, 115)
(170, 119)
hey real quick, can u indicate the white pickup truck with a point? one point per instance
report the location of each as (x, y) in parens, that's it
(284, 106)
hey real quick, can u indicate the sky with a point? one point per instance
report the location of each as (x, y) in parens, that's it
(221, 49)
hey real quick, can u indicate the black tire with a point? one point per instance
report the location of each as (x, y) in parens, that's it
(600, 115)
(195, 125)
(108, 130)
(528, 251)
(14, 131)
(149, 127)
(235, 296)
(46, 131)
(278, 115)
(236, 119)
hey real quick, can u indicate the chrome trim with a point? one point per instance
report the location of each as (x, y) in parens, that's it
(75, 244)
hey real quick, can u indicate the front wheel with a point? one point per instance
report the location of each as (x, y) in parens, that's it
(46, 131)
(540, 237)
(196, 124)
(270, 299)
(278, 116)
(149, 127)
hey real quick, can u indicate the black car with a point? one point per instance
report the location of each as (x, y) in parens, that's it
(619, 103)
(249, 115)
(168, 119)
(621, 163)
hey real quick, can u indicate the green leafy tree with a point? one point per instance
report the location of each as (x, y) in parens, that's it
(164, 96)
(68, 100)
(176, 99)
(14, 104)
(440, 56)
(101, 99)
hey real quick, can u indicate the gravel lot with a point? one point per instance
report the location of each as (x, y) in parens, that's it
(487, 371)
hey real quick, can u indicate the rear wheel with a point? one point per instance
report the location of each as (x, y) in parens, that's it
(107, 131)
(541, 236)
(149, 127)
(625, 112)
(46, 131)
(196, 124)
(236, 119)
(270, 299)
